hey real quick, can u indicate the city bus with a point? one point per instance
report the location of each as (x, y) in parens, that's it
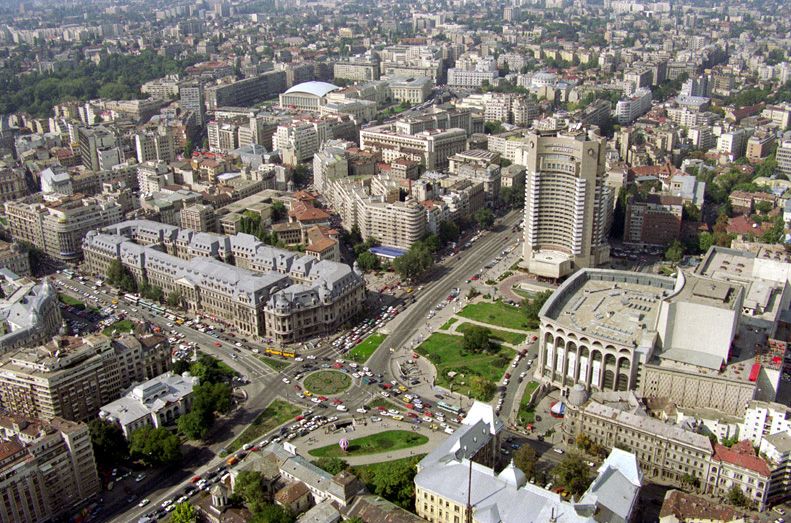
(131, 298)
(448, 408)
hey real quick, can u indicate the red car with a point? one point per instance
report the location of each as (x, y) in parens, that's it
(217, 344)
(299, 418)
(337, 401)
(195, 479)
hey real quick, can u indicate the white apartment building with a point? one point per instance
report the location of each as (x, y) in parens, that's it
(156, 144)
(763, 419)
(783, 155)
(634, 106)
(303, 137)
(473, 71)
(733, 144)
(153, 176)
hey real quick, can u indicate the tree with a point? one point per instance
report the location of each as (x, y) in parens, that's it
(249, 485)
(493, 127)
(414, 262)
(368, 261)
(448, 232)
(207, 369)
(675, 253)
(525, 458)
(184, 513)
(573, 474)
(776, 233)
(269, 513)
(689, 479)
(533, 307)
(278, 211)
(763, 207)
(476, 339)
(395, 483)
(194, 425)
(109, 444)
(120, 276)
(154, 446)
(331, 465)
(188, 148)
(481, 388)
(174, 299)
(484, 217)
(736, 497)
(705, 241)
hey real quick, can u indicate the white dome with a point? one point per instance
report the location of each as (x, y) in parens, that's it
(318, 89)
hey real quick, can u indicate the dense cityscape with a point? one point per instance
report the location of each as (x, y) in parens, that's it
(281, 261)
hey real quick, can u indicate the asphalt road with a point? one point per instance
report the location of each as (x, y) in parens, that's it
(453, 272)
(266, 383)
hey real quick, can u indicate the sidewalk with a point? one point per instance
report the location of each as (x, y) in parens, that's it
(318, 439)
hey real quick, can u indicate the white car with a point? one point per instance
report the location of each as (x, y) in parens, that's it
(286, 380)
(557, 450)
(311, 357)
(362, 410)
(144, 502)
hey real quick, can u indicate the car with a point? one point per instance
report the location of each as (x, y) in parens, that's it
(144, 502)
(557, 450)
(780, 510)
(286, 380)
(140, 477)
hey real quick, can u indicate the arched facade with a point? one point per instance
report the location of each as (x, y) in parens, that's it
(566, 358)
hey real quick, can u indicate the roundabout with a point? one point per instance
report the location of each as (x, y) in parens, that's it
(327, 382)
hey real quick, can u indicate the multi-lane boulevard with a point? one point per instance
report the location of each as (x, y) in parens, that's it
(265, 383)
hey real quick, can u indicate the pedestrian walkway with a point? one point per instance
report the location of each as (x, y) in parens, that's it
(319, 438)
(462, 319)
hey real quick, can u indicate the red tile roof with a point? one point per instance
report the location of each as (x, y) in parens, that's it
(743, 224)
(742, 455)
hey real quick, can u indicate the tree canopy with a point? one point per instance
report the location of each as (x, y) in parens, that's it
(184, 513)
(573, 474)
(116, 76)
(155, 446)
(476, 339)
(109, 444)
(525, 458)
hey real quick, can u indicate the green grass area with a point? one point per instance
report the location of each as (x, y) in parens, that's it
(275, 364)
(508, 337)
(496, 313)
(119, 326)
(447, 324)
(477, 373)
(68, 300)
(527, 414)
(327, 382)
(387, 441)
(364, 350)
(277, 413)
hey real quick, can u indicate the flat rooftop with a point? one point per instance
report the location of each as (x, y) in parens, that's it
(727, 264)
(610, 305)
(709, 292)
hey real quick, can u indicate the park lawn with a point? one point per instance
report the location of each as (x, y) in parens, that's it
(447, 324)
(69, 300)
(120, 326)
(327, 382)
(277, 413)
(496, 313)
(446, 352)
(275, 364)
(388, 441)
(364, 350)
(508, 337)
(527, 414)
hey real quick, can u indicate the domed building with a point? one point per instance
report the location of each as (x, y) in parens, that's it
(307, 95)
